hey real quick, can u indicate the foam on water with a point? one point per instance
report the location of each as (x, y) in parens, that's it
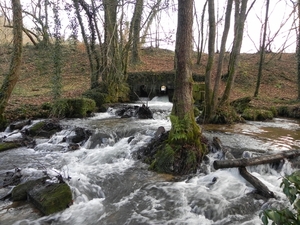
(110, 187)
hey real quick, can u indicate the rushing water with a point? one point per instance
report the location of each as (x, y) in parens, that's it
(111, 187)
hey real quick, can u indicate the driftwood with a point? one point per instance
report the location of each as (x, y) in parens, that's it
(241, 163)
(218, 164)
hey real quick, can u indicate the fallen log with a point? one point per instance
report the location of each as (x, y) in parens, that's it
(256, 183)
(260, 187)
(230, 163)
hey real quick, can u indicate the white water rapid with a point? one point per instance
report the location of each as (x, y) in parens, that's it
(111, 187)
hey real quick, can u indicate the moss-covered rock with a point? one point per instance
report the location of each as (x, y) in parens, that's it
(292, 111)
(19, 193)
(51, 198)
(225, 114)
(48, 198)
(257, 114)
(241, 104)
(73, 108)
(44, 128)
(10, 145)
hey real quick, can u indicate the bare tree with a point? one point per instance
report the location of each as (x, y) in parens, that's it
(221, 56)
(200, 27)
(11, 78)
(239, 21)
(262, 50)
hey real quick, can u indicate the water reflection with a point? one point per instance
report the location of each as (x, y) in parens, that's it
(276, 135)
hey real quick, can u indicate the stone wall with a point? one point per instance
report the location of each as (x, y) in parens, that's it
(151, 84)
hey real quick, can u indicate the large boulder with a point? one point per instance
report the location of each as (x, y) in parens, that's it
(48, 197)
(51, 198)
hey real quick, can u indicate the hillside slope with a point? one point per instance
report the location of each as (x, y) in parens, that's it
(278, 84)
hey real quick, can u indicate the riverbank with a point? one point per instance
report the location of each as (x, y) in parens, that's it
(278, 85)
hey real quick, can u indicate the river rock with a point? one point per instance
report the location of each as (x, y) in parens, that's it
(18, 125)
(44, 128)
(48, 197)
(19, 193)
(81, 135)
(51, 198)
(141, 112)
(144, 112)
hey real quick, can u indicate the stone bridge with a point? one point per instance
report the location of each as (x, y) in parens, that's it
(151, 84)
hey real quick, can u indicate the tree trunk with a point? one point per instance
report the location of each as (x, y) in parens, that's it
(184, 136)
(211, 55)
(298, 51)
(240, 17)
(183, 98)
(262, 51)
(86, 41)
(215, 94)
(11, 78)
(136, 27)
(230, 163)
(200, 35)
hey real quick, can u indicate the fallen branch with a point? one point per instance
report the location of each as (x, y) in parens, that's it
(230, 163)
(260, 187)
(241, 163)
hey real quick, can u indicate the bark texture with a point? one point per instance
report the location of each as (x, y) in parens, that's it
(11, 78)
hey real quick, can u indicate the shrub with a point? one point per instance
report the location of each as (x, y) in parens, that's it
(257, 114)
(291, 188)
(72, 108)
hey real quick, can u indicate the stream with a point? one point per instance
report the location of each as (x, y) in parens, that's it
(111, 187)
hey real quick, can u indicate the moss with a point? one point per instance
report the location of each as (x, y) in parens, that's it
(35, 129)
(73, 108)
(19, 193)
(6, 146)
(97, 95)
(225, 114)
(241, 104)
(257, 114)
(54, 198)
(164, 160)
(198, 92)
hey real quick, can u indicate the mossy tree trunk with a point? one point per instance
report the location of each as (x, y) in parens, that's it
(211, 56)
(116, 56)
(11, 78)
(182, 152)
